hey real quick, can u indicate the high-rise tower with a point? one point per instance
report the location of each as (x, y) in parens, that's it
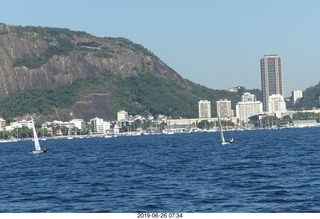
(271, 78)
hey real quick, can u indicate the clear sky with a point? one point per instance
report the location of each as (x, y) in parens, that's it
(210, 42)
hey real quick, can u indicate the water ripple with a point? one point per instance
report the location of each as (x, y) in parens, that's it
(265, 171)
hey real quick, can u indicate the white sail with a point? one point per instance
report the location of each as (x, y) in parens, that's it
(221, 131)
(35, 138)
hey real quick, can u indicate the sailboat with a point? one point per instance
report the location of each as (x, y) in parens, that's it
(36, 141)
(223, 141)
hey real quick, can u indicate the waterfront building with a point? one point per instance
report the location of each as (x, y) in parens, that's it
(224, 108)
(248, 107)
(204, 107)
(98, 125)
(78, 123)
(271, 78)
(17, 124)
(277, 105)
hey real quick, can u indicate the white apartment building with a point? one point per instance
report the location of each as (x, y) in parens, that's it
(277, 105)
(248, 107)
(296, 95)
(122, 116)
(98, 125)
(248, 97)
(19, 124)
(204, 107)
(78, 123)
(14, 125)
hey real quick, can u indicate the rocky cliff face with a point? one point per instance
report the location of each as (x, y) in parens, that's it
(35, 57)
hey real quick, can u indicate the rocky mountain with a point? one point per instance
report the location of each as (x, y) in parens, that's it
(37, 57)
(55, 73)
(45, 58)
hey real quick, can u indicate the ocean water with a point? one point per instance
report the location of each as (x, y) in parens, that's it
(264, 171)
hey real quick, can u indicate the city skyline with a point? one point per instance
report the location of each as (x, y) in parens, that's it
(213, 43)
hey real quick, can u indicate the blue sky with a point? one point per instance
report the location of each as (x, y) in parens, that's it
(214, 43)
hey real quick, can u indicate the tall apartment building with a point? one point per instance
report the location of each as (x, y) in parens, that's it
(204, 107)
(271, 78)
(248, 107)
(296, 95)
(224, 108)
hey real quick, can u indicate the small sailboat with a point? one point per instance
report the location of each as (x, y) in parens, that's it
(36, 141)
(223, 141)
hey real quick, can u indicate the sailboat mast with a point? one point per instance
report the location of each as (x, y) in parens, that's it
(221, 130)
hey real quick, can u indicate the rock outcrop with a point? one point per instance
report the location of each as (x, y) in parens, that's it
(38, 57)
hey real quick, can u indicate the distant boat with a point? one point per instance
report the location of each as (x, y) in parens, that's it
(223, 141)
(36, 141)
(108, 135)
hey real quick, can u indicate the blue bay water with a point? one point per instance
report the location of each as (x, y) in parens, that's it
(264, 171)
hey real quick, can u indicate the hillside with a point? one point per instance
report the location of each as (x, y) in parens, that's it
(62, 74)
(310, 99)
(104, 96)
(38, 57)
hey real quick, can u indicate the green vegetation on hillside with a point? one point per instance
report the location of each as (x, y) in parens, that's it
(59, 43)
(144, 94)
(47, 33)
(62, 47)
(134, 46)
(46, 101)
(149, 94)
(310, 99)
(306, 116)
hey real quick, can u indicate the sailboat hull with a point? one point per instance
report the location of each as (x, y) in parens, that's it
(224, 143)
(37, 152)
